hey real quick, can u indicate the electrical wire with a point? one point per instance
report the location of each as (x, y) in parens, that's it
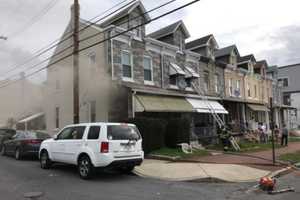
(101, 32)
(107, 39)
(61, 40)
(34, 19)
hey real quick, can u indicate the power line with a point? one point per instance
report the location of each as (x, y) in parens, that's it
(97, 43)
(59, 40)
(35, 18)
(101, 32)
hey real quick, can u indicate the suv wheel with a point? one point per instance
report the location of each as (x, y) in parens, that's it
(3, 151)
(45, 160)
(18, 154)
(85, 167)
(127, 169)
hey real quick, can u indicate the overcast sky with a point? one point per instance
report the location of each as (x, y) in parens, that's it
(270, 29)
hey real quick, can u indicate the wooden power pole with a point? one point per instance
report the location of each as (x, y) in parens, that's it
(75, 16)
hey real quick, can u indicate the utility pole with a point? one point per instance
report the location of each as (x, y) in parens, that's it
(75, 16)
(272, 130)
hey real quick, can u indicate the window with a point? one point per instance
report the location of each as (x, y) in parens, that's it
(238, 88)
(72, 133)
(255, 91)
(284, 82)
(230, 86)
(94, 132)
(287, 99)
(92, 111)
(57, 117)
(188, 82)
(217, 83)
(123, 132)
(248, 90)
(233, 59)
(206, 81)
(173, 79)
(126, 64)
(147, 69)
(238, 85)
(181, 43)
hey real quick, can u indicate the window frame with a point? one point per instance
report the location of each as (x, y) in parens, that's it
(230, 87)
(216, 82)
(281, 79)
(125, 78)
(206, 84)
(151, 69)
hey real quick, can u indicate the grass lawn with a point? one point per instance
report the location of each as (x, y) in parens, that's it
(292, 157)
(247, 147)
(294, 139)
(177, 152)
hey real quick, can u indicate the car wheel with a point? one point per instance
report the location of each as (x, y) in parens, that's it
(127, 169)
(3, 151)
(18, 154)
(45, 160)
(85, 167)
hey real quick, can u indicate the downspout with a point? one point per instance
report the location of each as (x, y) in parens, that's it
(162, 67)
(133, 103)
(112, 56)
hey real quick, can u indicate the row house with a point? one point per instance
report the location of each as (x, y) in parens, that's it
(137, 74)
(247, 89)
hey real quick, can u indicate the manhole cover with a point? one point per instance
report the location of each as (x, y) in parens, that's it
(33, 195)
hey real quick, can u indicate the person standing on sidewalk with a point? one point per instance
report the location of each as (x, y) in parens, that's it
(284, 135)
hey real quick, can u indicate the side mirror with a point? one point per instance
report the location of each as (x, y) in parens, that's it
(55, 137)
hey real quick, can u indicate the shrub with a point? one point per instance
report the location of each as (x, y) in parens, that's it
(177, 131)
(152, 131)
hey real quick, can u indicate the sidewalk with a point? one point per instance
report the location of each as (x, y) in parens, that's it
(243, 159)
(178, 171)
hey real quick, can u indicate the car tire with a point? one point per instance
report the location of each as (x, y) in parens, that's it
(45, 160)
(18, 154)
(127, 169)
(85, 167)
(3, 151)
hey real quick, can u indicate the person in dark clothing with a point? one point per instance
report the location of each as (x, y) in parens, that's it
(276, 133)
(224, 136)
(284, 136)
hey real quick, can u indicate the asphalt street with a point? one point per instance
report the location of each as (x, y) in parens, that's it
(62, 183)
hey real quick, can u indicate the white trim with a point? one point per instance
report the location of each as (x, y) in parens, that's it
(174, 86)
(126, 79)
(149, 83)
(131, 64)
(151, 66)
(122, 40)
(163, 44)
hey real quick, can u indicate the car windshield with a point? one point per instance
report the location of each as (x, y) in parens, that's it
(36, 135)
(123, 132)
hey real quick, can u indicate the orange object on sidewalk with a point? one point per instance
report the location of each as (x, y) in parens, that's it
(267, 183)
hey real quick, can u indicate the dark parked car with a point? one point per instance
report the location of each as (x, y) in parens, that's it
(24, 143)
(6, 134)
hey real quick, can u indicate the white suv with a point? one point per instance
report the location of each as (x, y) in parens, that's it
(94, 145)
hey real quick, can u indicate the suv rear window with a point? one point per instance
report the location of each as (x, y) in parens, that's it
(122, 132)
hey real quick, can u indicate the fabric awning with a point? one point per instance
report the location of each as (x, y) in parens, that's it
(175, 69)
(191, 73)
(155, 103)
(32, 117)
(258, 107)
(206, 106)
